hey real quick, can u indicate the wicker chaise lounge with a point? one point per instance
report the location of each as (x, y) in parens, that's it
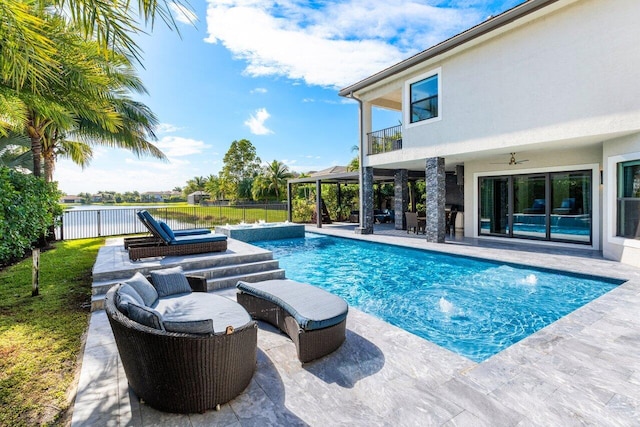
(313, 318)
(152, 225)
(197, 366)
(168, 244)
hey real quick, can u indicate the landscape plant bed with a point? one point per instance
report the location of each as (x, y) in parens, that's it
(41, 337)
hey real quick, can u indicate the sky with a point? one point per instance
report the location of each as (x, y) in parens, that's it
(267, 71)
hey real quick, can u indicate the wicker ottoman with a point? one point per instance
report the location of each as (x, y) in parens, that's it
(313, 318)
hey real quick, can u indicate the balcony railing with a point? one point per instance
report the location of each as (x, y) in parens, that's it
(385, 140)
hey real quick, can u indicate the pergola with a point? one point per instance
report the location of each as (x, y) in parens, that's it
(339, 175)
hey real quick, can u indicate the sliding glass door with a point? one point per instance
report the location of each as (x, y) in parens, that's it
(553, 206)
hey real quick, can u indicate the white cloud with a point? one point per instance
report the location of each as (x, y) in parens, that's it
(256, 122)
(166, 128)
(176, 146)
(182, 13)
(259, 90)
(330, 44)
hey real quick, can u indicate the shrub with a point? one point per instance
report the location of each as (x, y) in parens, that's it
(302, 210)
(28, 206)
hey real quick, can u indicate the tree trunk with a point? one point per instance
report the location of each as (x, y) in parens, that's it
(36, 150)
(49, 165)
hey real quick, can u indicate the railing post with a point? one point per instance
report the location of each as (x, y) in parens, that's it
(98, 213)
(266, 212)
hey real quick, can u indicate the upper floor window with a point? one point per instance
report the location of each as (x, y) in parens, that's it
(424, 99)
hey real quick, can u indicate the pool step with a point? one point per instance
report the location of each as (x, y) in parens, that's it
(241, 262)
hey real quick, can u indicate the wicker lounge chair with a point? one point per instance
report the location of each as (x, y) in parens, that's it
(149, 222)
(313, 318)
(185, 372)
(168, 244)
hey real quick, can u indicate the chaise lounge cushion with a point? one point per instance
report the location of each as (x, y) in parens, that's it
(145, 290)
(195, 307)
(167, 230)
(313, 308)
(170, 281)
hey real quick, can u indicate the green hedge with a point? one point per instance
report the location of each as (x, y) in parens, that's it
(28, 206)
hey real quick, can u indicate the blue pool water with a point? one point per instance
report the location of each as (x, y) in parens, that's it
(473, 307)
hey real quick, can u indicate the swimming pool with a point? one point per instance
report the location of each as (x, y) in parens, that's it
(473, 307)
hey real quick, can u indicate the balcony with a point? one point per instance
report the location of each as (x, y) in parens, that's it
(385, 140)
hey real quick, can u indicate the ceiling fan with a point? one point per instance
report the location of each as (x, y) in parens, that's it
(512, 161)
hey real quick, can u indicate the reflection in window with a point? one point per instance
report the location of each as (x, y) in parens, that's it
(424, 99)
(571, 202)
(628, 203)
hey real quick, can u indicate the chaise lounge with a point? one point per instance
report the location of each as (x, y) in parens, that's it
(313, 318)
(147, 220)
(168, 244)
(182, 351)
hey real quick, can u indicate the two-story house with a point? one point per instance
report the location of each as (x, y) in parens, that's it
(537, 111)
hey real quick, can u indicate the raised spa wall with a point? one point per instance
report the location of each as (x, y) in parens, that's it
(257, 232)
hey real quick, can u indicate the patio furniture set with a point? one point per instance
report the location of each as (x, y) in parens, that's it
(184, 350)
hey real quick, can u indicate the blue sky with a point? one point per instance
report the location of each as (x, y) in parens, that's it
(268, 71)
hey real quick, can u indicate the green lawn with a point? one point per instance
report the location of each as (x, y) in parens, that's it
(40, 337)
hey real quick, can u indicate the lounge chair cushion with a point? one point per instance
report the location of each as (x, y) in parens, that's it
(145, 290)
(170, 281)
(165, 227)
(145, 316)
(202, 238)
(189, 326)
(312, 307)
(198, 306)
(151, 221)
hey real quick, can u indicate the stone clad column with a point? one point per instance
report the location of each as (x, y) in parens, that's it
(435, 183)
(401, 197)
(366, 202)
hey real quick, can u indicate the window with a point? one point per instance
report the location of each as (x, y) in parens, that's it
(628, 203)
(424, 99)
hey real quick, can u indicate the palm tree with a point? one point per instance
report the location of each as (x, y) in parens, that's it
(276, 174)
(88, 103)
(27, 57)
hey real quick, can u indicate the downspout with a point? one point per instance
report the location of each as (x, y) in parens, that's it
(360, 157)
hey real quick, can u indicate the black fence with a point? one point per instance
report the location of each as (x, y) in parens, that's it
(80, 223)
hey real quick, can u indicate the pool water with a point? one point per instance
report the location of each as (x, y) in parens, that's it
(473, 307)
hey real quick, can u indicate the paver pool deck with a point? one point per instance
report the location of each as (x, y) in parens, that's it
(583, 369)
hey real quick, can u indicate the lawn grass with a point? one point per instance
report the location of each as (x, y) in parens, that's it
(40, 337)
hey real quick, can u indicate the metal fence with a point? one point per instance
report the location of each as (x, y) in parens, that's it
(112, 221)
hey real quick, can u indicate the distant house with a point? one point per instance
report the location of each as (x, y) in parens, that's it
(70, 199)
(197, 196)
(159, 196)
(533, 115)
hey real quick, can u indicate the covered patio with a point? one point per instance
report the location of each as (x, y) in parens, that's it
(405, 197)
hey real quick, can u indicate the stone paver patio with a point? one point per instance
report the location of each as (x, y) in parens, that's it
(581, 370)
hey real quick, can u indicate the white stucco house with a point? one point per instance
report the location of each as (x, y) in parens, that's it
(535, 112)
